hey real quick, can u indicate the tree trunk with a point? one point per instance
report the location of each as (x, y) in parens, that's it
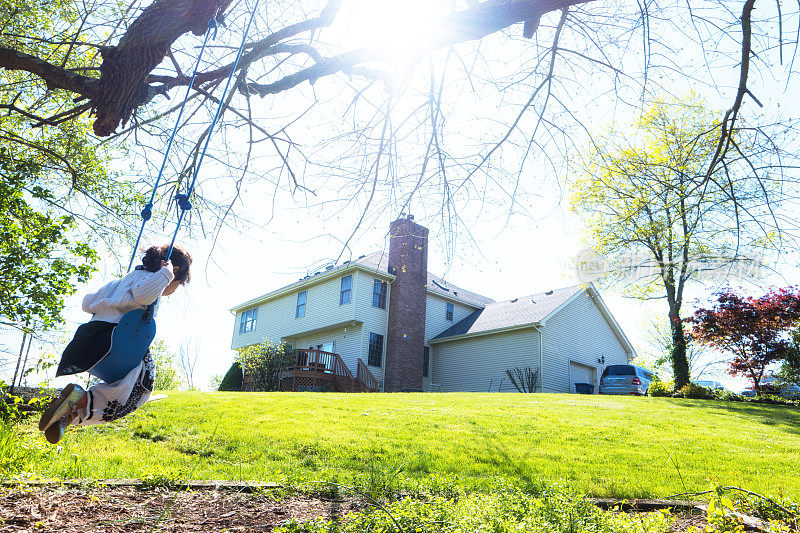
(680, 361)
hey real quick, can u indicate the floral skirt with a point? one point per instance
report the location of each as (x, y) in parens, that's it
(110, 401)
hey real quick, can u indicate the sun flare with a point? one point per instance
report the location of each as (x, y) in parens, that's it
(404, 28)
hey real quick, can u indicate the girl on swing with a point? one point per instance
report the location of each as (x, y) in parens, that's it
(156, 276)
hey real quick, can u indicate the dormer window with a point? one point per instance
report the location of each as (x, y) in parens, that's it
(448, 311)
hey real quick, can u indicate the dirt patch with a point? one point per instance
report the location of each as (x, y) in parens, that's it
(127, 509)
(684, 522)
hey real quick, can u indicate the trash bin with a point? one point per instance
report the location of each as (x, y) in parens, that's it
(584, 388)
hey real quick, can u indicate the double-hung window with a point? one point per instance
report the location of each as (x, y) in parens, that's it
(300, 311)
(344, 292)
(448, 311)
(248, 321)
(375, 349)
(379, 294)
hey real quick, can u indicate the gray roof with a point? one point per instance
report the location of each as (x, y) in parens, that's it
(379, 261)
(516, 312)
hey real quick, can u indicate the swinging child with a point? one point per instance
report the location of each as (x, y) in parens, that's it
(157, 276)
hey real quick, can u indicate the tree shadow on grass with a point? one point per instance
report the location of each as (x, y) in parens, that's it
(785, 418)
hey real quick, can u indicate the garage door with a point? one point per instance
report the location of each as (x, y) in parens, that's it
(579, 373)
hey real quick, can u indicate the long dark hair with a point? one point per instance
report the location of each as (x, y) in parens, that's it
(180, 258)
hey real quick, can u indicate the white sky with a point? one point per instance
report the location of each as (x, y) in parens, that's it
(503, 257)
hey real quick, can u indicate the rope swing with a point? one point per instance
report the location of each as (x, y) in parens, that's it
(183, 200)
(132, 337)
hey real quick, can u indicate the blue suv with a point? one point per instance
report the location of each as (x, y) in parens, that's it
(626, 379)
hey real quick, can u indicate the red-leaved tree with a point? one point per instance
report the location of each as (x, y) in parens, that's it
(754, 330)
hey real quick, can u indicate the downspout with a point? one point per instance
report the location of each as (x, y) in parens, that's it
(541, 369)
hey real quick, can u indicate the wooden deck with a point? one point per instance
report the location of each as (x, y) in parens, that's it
(315, 370)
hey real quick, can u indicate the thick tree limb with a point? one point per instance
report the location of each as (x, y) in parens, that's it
(54, 76)
(142, 47)
(123, 86)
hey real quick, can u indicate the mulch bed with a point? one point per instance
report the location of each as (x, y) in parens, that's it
(130, 509)
(116, 506)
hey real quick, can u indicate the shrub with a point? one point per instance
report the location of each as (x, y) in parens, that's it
(696, 392)
(661, 388)
(769, 399)
(14, 408)
(264, 362)
(233, 379)
(728, 396)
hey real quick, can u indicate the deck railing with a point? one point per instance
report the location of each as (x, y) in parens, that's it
(366, 377)
(330, 366)
(315, 360)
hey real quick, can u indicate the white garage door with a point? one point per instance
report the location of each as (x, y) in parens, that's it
(579, 373)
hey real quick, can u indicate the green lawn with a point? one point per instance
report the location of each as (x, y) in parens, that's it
(611, 446)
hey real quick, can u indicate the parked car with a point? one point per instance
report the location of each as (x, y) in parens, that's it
(790, 392)
(626, 379)
(712, 384)
(770, 385)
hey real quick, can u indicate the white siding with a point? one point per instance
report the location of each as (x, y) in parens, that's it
(347, 344)
(276, 318)
(578, 332)
(471, 364)
(435, 318)
(374, 320)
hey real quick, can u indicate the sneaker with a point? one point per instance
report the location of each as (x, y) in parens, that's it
(54, 433)
(63, 405)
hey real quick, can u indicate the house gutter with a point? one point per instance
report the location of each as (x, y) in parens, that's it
(487, 332)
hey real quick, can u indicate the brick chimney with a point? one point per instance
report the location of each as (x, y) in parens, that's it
(405, 342)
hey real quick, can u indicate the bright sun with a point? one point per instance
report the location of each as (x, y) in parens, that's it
(403, 28)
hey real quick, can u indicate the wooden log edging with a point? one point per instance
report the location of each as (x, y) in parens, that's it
(221, 484)
(645, 505)
(750, 523)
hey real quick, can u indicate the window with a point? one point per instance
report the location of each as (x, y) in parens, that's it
(619, 370)
(344, 293)
(379, 294)
(375, 349)
(300, 312)
(426, 361)
(248, 322)
(448, 311)
(329, 347)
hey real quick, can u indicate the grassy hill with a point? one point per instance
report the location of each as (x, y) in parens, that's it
(609, 446)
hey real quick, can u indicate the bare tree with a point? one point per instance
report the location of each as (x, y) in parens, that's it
(393, 140)
(189, 353)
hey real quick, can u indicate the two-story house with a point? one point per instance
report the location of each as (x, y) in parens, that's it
(416, 331)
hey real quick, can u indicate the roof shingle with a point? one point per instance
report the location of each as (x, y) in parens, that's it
(516, 312)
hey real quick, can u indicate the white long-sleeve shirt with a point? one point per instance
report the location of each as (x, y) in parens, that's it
(137, 290)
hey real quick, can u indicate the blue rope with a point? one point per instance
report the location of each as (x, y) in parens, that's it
(147, 212)
(183, 199)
